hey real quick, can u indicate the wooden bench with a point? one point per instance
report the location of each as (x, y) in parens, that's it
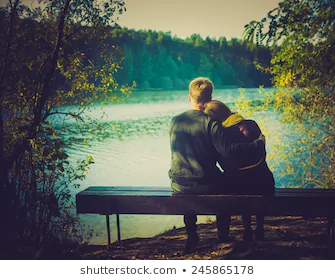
(161, 201)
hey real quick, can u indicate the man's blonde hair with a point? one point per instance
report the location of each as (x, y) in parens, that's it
(217, 110)
(201, 90)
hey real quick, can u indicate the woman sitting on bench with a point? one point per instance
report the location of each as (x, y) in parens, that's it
(242, 176)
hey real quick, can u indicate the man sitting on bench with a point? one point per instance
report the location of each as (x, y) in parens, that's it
(197, 142)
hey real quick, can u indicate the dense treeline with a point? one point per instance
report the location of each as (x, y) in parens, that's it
(158, 60)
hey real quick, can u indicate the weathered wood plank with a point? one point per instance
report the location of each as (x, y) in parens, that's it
(128, 188)
(172, 205)
(166, 191)
(141, 200)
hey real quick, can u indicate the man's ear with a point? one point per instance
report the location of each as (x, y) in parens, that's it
(189, 97)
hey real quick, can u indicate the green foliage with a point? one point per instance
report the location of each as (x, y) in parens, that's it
(166, 82)
(56, 61)
(205, 66)
(303, 68)
(150, 57)
(224, 74)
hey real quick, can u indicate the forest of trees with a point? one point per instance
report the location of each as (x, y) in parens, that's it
(159, 61)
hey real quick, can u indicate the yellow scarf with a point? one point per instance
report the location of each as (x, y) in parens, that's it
(232, 120)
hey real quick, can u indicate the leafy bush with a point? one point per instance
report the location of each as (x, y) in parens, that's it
(49, 73)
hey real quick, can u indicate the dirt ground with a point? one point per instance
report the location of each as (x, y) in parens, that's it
(285, 238)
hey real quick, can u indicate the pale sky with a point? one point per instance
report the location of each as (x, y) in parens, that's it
(213, 18)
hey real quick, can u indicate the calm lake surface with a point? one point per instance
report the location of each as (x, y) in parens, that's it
(136, 152)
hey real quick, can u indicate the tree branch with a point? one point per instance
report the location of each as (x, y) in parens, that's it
(34, 127)
(49, 73)
(66, 113)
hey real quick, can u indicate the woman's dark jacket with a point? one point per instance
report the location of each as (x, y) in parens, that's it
(244, 176)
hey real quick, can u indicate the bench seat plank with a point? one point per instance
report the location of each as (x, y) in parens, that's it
(166, 191)
(157, 200)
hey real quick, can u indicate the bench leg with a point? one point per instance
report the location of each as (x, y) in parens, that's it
(118, 228)
(108, 232)
(331, 228)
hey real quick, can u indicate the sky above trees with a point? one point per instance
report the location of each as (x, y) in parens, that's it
(213, 18)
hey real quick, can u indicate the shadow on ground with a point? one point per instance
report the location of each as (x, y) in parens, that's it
(285, 238)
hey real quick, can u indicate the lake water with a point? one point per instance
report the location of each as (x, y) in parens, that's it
(136, 152)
